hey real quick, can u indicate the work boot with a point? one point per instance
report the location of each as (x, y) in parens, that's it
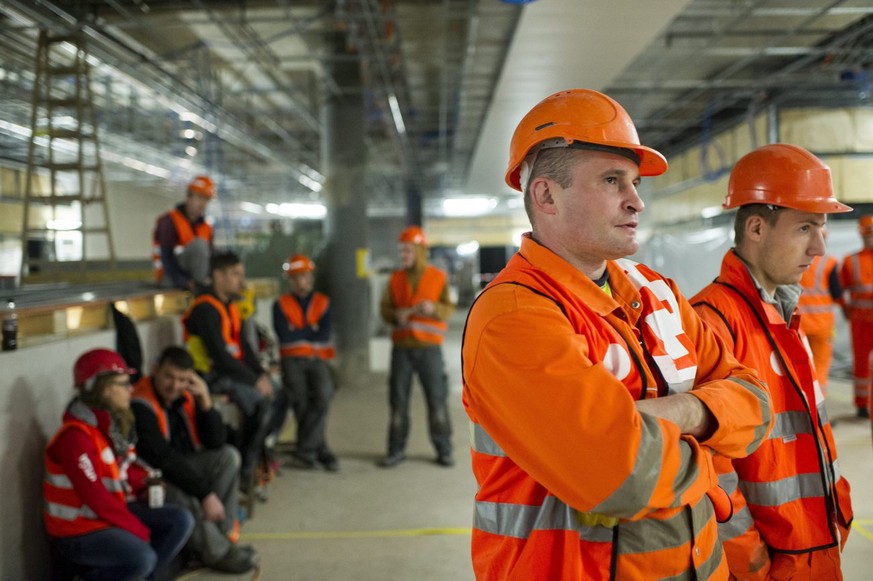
(237, 561)
(445, 459)
(328, 460)
(863, 413)
(392, 459)
(302, 462)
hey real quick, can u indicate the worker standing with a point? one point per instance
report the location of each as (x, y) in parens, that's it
(856, 276)
(821, 291)
(792, 510)
(301, 320)
(182, 240)
(596, 394)
(418, 304)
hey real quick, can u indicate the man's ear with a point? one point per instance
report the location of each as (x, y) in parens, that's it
(754, 228)
(541, 190)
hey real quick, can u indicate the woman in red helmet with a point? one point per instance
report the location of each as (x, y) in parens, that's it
(91, 513)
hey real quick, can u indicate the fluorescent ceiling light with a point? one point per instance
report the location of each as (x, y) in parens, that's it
(459, 207)
(468, 248)
(395, 112)
(251, 208)
(298, 210)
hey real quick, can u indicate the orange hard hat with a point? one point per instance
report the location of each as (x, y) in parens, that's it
(412, 235)
(783, 175)
(298, 263)
(865, 224)
(95, 363)
(203, 186)
(579, 116)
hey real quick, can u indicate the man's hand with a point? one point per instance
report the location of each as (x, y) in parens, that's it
(213, 509)
(264, 386)
(402, 315)
(684, 410)
(426, 308)
(199, 390)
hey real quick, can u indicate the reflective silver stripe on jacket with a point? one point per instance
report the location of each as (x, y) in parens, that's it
(422, 326)
(69, 513)
(729, 481)
(63, 482)
(788, 424)
(814, 309)
(519, 520)
(779, 492)
(740, 522)
(481, 442)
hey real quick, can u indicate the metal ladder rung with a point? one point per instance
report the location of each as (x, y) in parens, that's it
(64, 71)
(73, 166)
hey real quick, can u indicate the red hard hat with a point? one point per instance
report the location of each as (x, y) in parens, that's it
(298, 263)
(579, 115)
(96, 362)
(202, 185)
(865, 224)
(783, 175)
(412, 235)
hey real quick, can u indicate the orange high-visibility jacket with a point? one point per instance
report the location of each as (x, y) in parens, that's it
(552, 366)
(856, 276)
(231, 325)
(789, 492)
(816, 304)
(297, 319)
(185, 233)
(65, 514)
(430, 287)
(144, 392)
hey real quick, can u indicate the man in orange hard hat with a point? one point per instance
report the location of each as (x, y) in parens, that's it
(301, 320)
(418, 305)
(182, 240)
(597, 396)
(856, 276)
(791, 507)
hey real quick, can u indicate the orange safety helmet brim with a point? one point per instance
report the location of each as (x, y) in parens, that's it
(579, 115)
(413, 235)
(298, 263)
(865, 224)
(202, 186)
(783, 175)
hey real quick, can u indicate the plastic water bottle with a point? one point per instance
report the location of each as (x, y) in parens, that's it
(10, 326)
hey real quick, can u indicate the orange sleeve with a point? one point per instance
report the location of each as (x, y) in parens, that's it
(747, 555)
(565, 419)
(732, 392)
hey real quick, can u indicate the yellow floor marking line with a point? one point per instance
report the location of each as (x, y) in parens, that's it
(355, 534)
(858, 525)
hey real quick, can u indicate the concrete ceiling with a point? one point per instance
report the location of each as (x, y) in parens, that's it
(250, 78)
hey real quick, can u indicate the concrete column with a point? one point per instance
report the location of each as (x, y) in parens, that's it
(413, 204)
(346, 223)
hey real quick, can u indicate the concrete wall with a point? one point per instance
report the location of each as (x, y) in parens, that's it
(35, 386)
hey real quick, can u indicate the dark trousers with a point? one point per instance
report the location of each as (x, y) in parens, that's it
(427, 363)
(260, 418)
(115, 554)
(309, 388)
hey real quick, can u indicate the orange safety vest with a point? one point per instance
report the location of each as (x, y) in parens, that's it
(231, 325)
(430, 288)
(144, 392)
(581, 358)
(790, 489)
(856, 276)
(65, 514)
(297, 319)
(184, 233)
(816, 305)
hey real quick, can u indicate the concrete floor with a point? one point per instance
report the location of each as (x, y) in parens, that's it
(412, 522)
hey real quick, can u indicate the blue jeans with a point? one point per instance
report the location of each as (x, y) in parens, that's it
(115, 554)
(427, 363)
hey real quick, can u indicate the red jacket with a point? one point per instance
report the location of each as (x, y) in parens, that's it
(789, 493)
(85, 488)
(856, 276)
(552, 365)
